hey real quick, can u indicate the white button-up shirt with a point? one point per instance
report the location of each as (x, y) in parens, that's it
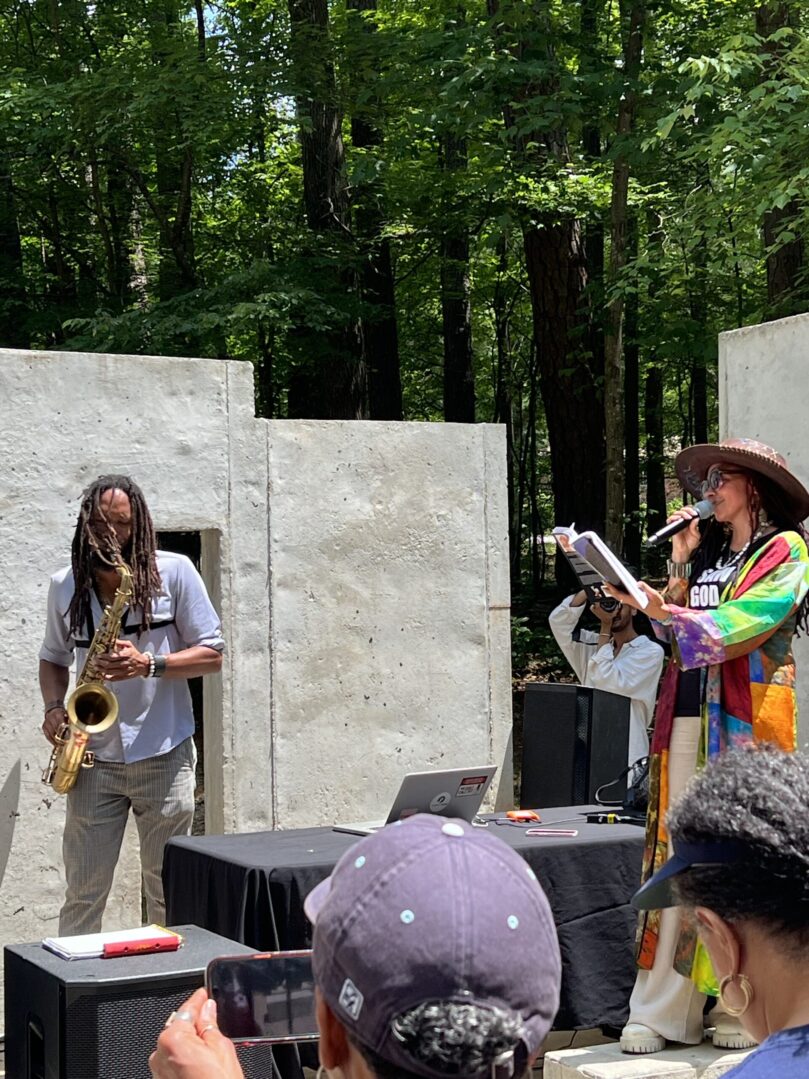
(633, 673)
(155, 714)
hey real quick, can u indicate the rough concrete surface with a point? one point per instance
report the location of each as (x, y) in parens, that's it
(608, 1062)
(360, 569)
(762, 394)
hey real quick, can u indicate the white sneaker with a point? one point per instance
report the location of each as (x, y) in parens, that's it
(729, 1034)
(636, 1038)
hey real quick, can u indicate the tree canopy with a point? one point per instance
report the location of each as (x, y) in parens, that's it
(534, 213)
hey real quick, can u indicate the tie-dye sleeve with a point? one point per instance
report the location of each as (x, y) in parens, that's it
(738, 626)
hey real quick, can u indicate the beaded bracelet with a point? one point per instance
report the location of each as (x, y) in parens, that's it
(150, 657)
(681, 570)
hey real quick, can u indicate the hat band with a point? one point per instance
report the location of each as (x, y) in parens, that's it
(713, 852)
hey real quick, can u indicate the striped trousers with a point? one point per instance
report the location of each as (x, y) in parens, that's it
(160, 792)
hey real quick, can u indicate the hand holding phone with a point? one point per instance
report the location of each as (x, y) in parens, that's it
(269, 996)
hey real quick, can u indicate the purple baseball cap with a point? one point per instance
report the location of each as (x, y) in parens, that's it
(430, 909)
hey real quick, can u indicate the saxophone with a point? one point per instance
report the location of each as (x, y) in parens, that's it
(91, 707)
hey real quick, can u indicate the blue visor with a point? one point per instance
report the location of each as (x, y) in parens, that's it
(657, 893)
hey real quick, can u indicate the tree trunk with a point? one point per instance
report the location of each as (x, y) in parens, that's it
(174, 170)
(613, 346)
(698, 279)
(632, 533)
(456, 307)
(591, 66)
(655, 456)
(555, 264)
(504, 405)
(330, 380)
(380, 332)
(556, 267)
(13, 305)
(784, 260)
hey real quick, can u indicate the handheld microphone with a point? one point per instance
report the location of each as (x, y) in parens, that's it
(704, 511)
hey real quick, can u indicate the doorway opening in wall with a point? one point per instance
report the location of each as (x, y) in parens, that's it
(190, 544)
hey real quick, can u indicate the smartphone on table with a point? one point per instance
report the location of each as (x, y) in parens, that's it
(269, 996)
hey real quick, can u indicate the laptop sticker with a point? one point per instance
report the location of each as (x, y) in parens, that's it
(440, 801)
(471, 785)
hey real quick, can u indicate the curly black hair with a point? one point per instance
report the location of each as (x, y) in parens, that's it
(452, 1039)
(758, 795)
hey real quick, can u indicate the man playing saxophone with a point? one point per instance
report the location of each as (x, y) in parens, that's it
(146, 760)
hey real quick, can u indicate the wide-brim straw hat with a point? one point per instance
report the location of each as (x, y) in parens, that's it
(692, 466)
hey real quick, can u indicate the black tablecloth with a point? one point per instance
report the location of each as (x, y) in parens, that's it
(251, 888)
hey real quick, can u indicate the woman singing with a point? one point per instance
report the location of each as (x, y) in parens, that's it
(736, 594)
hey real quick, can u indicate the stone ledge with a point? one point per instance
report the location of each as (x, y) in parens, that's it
(608, 1062)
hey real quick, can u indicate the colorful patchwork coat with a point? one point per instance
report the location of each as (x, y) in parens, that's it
(744, 648)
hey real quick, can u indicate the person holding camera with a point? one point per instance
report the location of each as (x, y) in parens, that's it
(434, 955)
(617, 659)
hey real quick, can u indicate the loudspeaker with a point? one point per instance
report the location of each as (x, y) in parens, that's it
(574, 740)
(100, 1018)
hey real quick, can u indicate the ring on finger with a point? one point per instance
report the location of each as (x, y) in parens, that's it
(183, 1015)
(206, 1028)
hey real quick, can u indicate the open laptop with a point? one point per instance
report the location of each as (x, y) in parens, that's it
(454, 792)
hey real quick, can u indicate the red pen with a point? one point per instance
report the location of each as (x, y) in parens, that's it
(138, 947)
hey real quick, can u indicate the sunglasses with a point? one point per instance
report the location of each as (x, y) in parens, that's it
(715, 478)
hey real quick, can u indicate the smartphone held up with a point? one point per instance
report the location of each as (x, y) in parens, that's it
(269, 996)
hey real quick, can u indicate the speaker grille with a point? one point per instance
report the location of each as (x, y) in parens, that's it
(581, 750)
(105, 1031)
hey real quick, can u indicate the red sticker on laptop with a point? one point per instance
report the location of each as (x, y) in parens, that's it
(471, 785)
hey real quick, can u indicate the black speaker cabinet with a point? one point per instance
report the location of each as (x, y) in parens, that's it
(574, 740)
(100, 1018)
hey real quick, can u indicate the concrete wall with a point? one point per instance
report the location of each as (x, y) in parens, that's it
(762, 394)
(361, 571)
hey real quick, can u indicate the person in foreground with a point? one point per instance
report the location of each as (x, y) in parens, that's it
(740, 834)
(434, 954)
(617, 659)
(736, 595)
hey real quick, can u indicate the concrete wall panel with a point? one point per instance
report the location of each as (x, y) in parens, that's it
(762, 394)
(361, 571)
(381, 664)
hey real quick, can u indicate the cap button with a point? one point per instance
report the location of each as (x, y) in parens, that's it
(452, 829)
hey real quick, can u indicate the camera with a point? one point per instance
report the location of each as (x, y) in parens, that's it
(607, 603)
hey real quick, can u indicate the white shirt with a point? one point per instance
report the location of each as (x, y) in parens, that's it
(155, 714)
(633, 673)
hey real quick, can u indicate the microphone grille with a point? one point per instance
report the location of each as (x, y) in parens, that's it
(704, 509)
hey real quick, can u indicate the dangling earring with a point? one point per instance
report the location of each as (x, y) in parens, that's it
(746, 989)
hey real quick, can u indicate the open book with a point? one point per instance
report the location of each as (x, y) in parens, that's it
(593, 562)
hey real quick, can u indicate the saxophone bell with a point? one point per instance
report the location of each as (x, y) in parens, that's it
(92, 708)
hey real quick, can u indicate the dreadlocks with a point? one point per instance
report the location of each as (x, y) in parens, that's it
(140, 556)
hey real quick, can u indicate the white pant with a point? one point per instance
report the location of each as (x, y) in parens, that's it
(160, 792)
(662, 999)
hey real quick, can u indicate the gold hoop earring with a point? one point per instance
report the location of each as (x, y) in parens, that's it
(321, 1072)
(746, 989)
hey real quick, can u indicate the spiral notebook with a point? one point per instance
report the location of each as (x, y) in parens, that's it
(146, 938)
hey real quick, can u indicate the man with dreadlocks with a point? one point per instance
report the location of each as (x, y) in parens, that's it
(146, 760)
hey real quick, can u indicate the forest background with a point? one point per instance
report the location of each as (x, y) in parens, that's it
(533, 213)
